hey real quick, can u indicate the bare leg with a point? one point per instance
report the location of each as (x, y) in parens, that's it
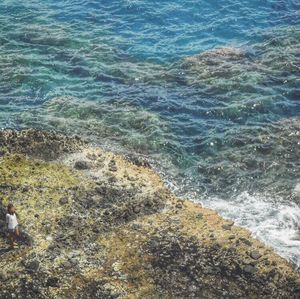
(16, 235)
(11, 239)
(14, 240)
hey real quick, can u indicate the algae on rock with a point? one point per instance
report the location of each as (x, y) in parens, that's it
(113, 230)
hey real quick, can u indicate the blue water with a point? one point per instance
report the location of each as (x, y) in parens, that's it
(208, 91)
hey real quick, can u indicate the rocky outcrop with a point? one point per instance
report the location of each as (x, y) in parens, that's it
(96, 225)
(37, 143)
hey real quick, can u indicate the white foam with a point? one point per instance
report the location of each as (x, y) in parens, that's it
(297, 189)
(273, 221)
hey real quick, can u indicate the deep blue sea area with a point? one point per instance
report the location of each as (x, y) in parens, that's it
(208, 91)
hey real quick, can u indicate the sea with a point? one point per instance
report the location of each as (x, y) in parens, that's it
(207, 91)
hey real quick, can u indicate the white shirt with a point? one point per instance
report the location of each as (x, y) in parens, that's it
(11, 221)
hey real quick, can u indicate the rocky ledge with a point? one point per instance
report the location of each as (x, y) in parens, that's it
(96, 225)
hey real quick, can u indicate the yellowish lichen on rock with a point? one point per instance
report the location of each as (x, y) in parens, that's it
(35, 187)
(102, 226)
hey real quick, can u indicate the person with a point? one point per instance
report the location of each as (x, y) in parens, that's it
(12, 225)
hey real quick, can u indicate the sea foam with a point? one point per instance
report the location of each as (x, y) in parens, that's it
(274, 221)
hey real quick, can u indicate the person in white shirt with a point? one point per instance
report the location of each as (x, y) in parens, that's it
(12, 225)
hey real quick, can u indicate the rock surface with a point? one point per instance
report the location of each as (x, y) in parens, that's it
(113, 230)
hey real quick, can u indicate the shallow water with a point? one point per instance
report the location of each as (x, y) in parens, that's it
(208, 91)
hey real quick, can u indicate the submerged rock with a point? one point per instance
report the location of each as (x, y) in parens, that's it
(218, 53)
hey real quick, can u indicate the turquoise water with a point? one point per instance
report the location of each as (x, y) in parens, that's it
(207, 91)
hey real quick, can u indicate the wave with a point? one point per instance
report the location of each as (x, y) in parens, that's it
(273, 220)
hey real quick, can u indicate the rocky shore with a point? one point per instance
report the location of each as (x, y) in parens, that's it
(97, 225)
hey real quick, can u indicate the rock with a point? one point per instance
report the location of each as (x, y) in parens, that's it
(226, 226)
(73, 261)
(132, 178)
(179, 206)
(138, 161)
(112, 166)
(117, 267)
(153, 244)
(96, 230)
(255, 254)
(250, 269)
(81, 165)
(49, 238)
(136, 226)
(3, 276)
(246, 241)
(52, 282)
(199, 216)
(32, 266)
(267, 262)
(112, 179)
(136, 209)
(63, 201)
(25, 189)
(102, 190)
(66, 265)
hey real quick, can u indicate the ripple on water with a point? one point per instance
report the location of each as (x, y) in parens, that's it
(134, 128)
